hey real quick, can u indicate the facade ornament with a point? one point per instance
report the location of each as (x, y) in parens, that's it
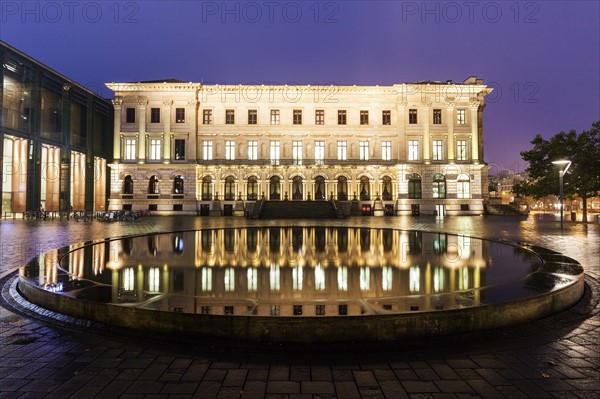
(193, 103)
(168, 103)
(66, 86)
(474, 104)
(402, 104)
(142, 102)
(117, 102)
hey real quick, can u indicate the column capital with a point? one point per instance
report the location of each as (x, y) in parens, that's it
(142, 102)
(117, 102)
(474, 104)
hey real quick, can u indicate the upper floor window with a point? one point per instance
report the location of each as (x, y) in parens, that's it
(207, 117)
(179, 149)
(413, 150)
(252, 150)
(364, 117)
(154, 149)
(274, 117)
(438, 153)
(154, 115)
(130, 149)
(319, 152)
(296, 152)
(252, 116)
(207, 150)
(341, 117)
(230, 150)
(229, 117)
(386, 151)
(461, 150)
(460, 117)
(297, 117)
(437, 116)
(320, 117)
(364, 150)
(412, 116)
(342, 150)
(130, 115)
(386, 117)
(179, 115)
(274, 153)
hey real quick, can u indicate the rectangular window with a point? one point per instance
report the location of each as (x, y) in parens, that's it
(229, 117)
(386, 151)
(364, 117)
(179, 149)
(274, 153)
(342, 150)
(297, 117)
(438, 150)
(207, 150)
(297, 152)
(274, 117)
(460, 117)
(386, 117)
(252, 116)
(154, 115)
(412, 116)
(343, 310)
(154, 149)
(364, 150)
(207, 117)
(320, 310)
(130, 116)
(252, 150)
(205, 310)
(319, 152)
(275, 310)
(130, 149)
(413, 150)
(320, 117)
(179, 115)
(437, 116)
(230, 150)
(461, 150)
(341, 117)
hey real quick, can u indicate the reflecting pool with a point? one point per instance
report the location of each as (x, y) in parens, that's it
(296, 271)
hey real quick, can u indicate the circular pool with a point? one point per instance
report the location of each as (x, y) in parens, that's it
(303, 284)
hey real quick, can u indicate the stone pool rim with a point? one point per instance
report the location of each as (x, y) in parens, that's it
(311, 329)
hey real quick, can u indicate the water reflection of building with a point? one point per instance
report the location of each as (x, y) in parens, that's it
(292, 271)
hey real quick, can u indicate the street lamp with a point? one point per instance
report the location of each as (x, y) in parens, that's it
(565, 164)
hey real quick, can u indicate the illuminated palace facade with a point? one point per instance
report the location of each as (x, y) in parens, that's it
(217, 149)
(55, 139)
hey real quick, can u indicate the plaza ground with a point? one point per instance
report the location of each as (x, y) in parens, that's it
(556, 357)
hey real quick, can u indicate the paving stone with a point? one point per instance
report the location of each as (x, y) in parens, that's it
(286, 387)
(254, 389)
(235, 378)
(346, 389)
(365, 379)
(419, 386)
(179, 388)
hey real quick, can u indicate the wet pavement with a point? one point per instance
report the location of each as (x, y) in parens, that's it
(556, 357)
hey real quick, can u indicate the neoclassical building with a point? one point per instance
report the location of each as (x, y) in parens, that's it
(202, 149)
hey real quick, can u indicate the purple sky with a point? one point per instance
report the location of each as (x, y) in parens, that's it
(542, 57)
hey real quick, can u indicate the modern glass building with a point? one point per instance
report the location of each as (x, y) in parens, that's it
(55, 139)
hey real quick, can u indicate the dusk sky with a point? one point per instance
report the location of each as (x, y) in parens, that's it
(541, 57)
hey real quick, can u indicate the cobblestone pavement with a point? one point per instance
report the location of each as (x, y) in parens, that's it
(556, 357)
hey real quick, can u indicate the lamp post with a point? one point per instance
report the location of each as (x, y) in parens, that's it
(561, 173)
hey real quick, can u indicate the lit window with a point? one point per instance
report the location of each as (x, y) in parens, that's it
(275, 310)
(438, 154)
(207, 117)
(252, 150)
(364, 117)
(414, 276)
(230, 150)
(179, 115)
(252, 117)
(274, 153)
(386, 117)
(128, 279)
(206, 279)
(252, 279)
(413, 150)
(229, 279)
(439, 186)
(297, 152)
(463, 278)
(387, 278)
(341, 150)
(154, 279)
(386, 150)
(461, 150)
(297, 117)
(319, 152)
(274, 278)
(343, 278)
(229, 117)
(365, 278)
(412, 116)
(130, 145)
(319, 117)
(207, 150)
(460, 117)
(463, 186)
(437, 116)
(319, 278)
(297, 278)
(364, 150)
(438, 279)
(341, 117)
(179, 149)
(274, 117)
(154, 149)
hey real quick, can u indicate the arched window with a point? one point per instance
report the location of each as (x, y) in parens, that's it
(206, 188)
(386, 189)
(274, 188)
(320, 188)
(252, 189)
(153, 185)
(128, 185)
(178, 185)
(297, 188)
(365, 189)
(342, 188)
(439, 186)
(414, 186)
(463, 186)
(229, 188)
